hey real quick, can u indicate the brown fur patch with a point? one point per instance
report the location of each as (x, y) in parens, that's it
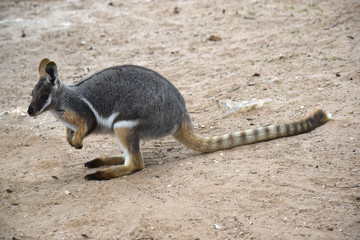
(75, 138)
(187, 136)
(131, 145)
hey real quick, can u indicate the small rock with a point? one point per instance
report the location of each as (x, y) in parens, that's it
(176, 10)
(214, 38)
(217, 226)
(230, 106)
(85, 236)
(67, 192)
(9, 190)
(86, 70)
(270, 80)
(337, 74)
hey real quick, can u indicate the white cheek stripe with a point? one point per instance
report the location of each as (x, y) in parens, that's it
(48, 102)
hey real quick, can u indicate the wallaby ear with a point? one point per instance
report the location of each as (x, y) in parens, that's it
(42, 66)
(51, 72)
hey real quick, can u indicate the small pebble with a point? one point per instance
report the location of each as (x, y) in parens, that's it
(176, 10)
(214, 38)
(85, 236)
(217, 226)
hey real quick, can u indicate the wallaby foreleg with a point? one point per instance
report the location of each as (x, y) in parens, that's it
(75, 138)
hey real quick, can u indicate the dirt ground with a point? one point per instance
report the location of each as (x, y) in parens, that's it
(300, 54)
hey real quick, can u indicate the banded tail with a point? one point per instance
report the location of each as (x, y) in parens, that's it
(186, 135)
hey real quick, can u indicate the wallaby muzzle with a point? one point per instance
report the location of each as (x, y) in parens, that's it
(31, 111)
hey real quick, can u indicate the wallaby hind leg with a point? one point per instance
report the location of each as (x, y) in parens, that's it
(133, 159)
(105, 161)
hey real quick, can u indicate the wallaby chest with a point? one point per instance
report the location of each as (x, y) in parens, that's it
(59, 115)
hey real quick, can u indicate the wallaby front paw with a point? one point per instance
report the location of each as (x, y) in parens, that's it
(72, 139)
(75, 144)
(78, 146)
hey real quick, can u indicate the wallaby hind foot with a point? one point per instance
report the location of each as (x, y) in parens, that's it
(132, 160)
(112, 172)
(105, 161)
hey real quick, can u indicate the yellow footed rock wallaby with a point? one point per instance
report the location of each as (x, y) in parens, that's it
(136, 103)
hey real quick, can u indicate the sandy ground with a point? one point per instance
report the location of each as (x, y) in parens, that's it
(301, 54)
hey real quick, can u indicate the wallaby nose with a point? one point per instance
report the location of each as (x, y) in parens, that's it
(31, 111)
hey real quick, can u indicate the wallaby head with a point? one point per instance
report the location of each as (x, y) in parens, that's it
(45, 91)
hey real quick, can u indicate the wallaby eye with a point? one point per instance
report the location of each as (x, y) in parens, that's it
(44, 96)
